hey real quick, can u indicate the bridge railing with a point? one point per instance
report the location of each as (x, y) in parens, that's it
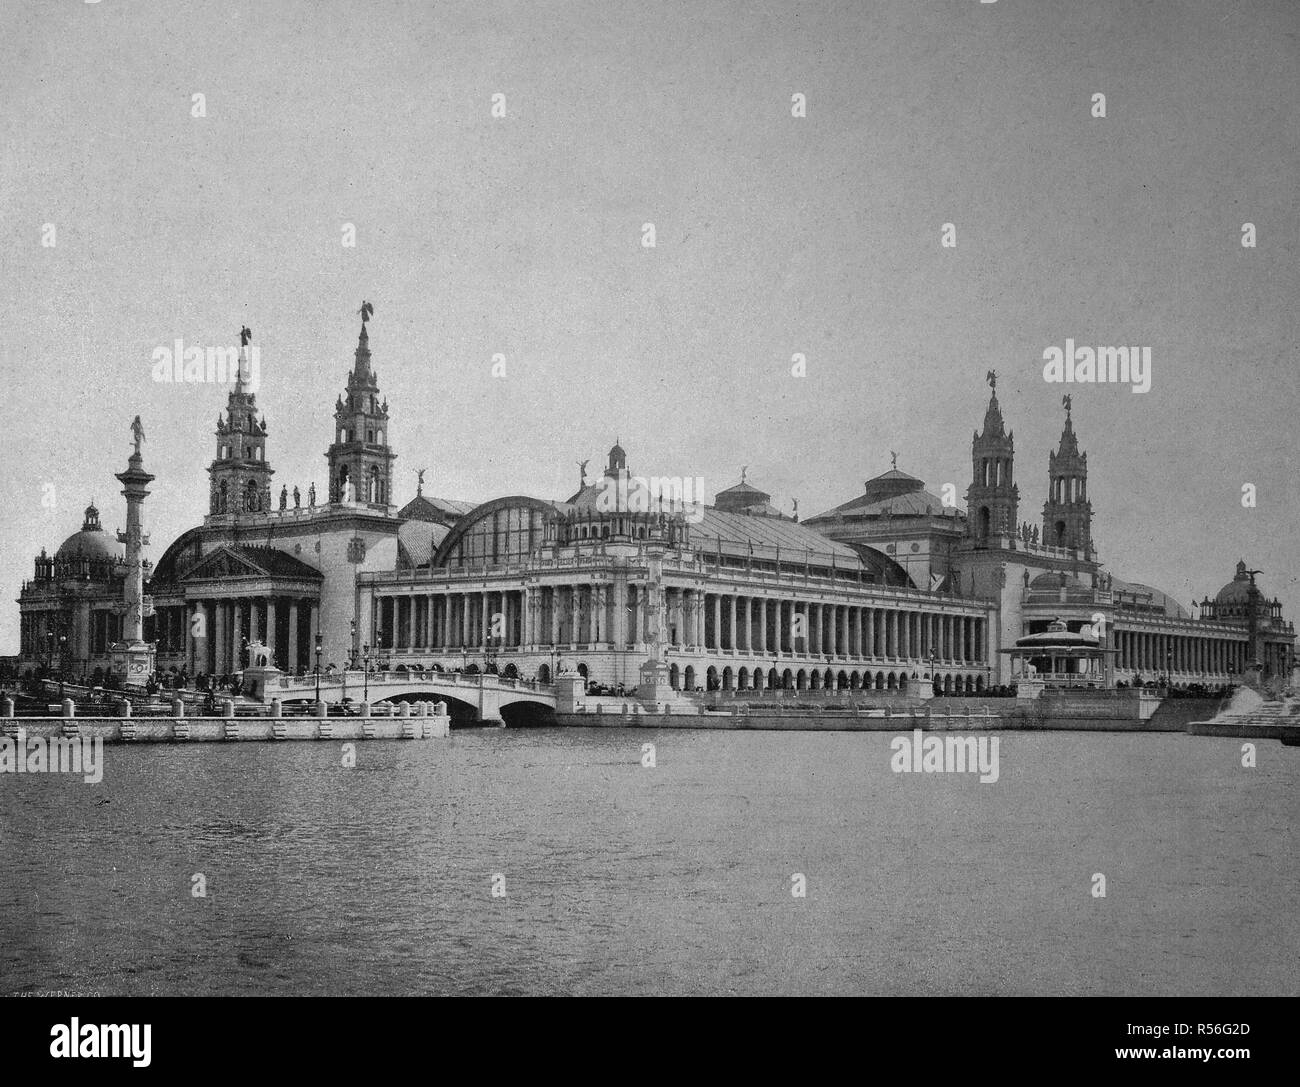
(446, 679)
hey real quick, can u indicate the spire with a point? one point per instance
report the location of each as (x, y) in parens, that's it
(993, 425)
(361, 372)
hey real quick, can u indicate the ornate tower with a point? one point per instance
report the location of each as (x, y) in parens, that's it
(240, 476)
(993, 498)
(1067, 514)
(360, 461)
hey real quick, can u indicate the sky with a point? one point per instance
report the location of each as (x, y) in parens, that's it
(522, 236)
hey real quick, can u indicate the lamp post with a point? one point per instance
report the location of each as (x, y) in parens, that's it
(365, 672)
(352, 647)
(63, 656)
(319, 646)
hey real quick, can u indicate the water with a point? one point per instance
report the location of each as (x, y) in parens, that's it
(621, 879)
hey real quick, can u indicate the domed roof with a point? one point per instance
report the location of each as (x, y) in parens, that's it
(90, 543)
(1054, 579)
(1058, 634)
(1237, 591)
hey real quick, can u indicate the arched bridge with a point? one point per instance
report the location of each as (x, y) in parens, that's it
(486, 694)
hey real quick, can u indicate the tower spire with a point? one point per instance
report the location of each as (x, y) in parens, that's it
(360, 460)
(1067, 514)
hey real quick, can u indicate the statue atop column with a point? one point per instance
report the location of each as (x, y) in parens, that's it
(284, 496)
(297, 498)
(137, 433)
(311, 495)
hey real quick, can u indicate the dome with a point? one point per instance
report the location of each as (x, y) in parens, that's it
(1059, 635)
(1237, 591)
(1054, 579)
(90, 543)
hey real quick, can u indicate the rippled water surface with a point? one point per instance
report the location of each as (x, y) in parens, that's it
(677, 879)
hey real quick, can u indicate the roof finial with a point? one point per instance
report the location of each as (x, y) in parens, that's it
(893, 460)
(419, 482)
(1065, 403)
(743, 469)
(367, 311)
(992, 378)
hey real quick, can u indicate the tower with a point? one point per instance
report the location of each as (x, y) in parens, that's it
(1067, 514)
(360, 461)
(240, 477)
(993, 497)
(133, 657)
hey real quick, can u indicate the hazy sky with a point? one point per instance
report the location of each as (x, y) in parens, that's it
(775, 235)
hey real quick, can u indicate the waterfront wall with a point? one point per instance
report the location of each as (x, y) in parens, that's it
(229, 729)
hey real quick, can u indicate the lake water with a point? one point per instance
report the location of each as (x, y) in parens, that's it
(621, 879)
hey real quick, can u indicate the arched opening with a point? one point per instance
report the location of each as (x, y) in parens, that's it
(891, 682)
(787, 680)
(252, 499)
(582, 670)
(902, 681)
(773, 678)
(727, 680)
(947, 684)
(842, 681)
(543, 673)
(510, 671)
(880, 681)
(742, 679)
(689, 677)
(982, 523)
(674, 677)
(1059, 529)
(711, 679)
(815, 681)
(758, 679)
(526, 714)
(979, 683)
(855, 681)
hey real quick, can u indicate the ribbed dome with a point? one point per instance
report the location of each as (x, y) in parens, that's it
(90, 543)
(1237, 591)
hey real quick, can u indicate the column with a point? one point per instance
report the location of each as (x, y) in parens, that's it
(236, 634)
(271, 617)
(313, 628)
(293, 636)
(221, 641)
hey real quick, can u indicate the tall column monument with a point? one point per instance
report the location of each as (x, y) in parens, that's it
(133, 657)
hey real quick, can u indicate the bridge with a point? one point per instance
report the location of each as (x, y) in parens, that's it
(486, 695)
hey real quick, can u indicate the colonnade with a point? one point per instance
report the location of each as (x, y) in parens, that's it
(1155, 653)
(617, 614)
(211, 633)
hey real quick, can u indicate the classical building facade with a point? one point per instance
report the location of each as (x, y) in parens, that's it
(891, 590)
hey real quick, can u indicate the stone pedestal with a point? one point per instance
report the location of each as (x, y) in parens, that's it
(570, 691)
(1027, 687)
(132, 662)
(259, 679)
(653, 684)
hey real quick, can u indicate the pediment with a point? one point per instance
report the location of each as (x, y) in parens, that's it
(223, 563)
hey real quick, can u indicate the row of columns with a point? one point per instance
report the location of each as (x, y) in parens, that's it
(1156, 653)
(212, 633)
(617, 613)
(795, 628)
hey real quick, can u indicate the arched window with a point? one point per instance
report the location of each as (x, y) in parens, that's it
(223, 497)
(374, 483)
(252, 500)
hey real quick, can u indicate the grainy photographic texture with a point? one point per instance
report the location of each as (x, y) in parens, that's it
(644, 498)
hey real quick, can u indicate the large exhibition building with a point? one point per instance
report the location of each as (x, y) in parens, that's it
(891, 590)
